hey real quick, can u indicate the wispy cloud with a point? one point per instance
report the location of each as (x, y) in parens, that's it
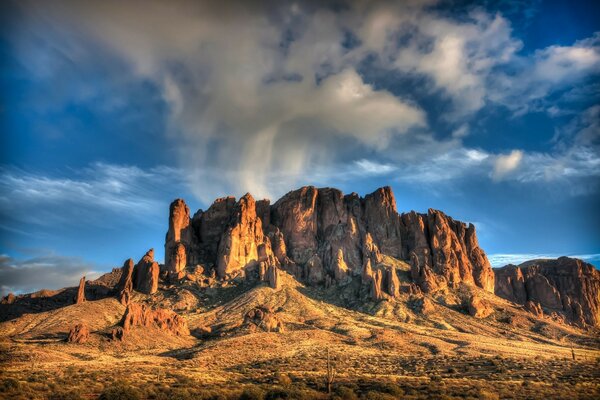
(500, 260)
(49, 271)
(85, 195)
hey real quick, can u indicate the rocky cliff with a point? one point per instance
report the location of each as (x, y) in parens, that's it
(323, 237)
(566, 287)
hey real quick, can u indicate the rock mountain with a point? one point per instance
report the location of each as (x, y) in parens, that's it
(323, 237)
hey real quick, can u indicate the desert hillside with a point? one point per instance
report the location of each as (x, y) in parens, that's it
(318, 295)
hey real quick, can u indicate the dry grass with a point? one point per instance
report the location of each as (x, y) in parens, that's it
(380, 351)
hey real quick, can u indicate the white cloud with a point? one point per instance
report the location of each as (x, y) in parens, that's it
(506, 163)
(368, 167)
(263, 98)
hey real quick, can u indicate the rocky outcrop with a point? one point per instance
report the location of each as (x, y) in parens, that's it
(566, 286)
(79, 333)
(239, 243)
(80, 298)
(510, 284)
(125, 285)
(322, 236)
(177, 262)
(376, 285)
(273, 277)
(383, 222)
(263, 318)
(9, 299)
(180, 234)
(534, 308)
(141, 315)
(145, 274)
(479, 308)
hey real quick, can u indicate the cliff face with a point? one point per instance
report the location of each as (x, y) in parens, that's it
(322, 236)
(566, 286)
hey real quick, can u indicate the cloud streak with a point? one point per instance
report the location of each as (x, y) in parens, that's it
(48, 271)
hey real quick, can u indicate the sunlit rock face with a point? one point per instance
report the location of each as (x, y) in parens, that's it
(567, 286)
(322, 236)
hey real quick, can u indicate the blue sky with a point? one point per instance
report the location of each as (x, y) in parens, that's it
(489, 111)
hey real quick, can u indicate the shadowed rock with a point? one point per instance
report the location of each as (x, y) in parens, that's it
(566, 286)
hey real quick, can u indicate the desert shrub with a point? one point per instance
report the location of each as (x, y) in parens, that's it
(120, 391)
(252, 393)
(389, 388)
(9, 385)
(372, 395)
(283, 379)
(345, 393)
(66, 395)
(288, 393)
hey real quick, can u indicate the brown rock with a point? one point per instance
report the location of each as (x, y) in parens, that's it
(117, 334)
(370, 250)
(510, 284)
(295, 215)
(263, 318)
(80, 292)
(383, 222)
(180, 233)
(125, 285)
(534, 308)
(367, 274)
(177, 262)
(424, 305)
(305, 231)
(340, 269)
(376, 285)
(273, 277)
(9, 299)
(479, 308)
(141, 315)
(314, 270)
(212, 225)
(567, 287)
(263, 211)
(146, 273)
(79, 333)
(423, 276)
(238, 247)
(393, 283)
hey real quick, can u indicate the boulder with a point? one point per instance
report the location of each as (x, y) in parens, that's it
(263, 318)
(79, 333)
(478, 307)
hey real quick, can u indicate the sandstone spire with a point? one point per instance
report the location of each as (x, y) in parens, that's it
(80, 291)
